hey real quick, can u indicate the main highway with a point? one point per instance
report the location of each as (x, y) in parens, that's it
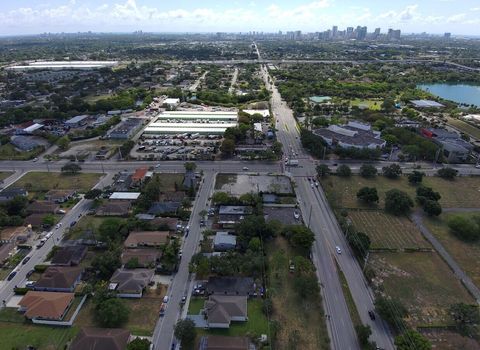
(321, 220)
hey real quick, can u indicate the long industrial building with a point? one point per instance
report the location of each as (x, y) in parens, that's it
(180, 122)
(62, 65)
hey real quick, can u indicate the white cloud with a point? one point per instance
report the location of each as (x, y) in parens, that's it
(408, 14)
(458, 18)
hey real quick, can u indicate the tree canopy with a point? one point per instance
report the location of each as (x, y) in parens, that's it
(398, 202)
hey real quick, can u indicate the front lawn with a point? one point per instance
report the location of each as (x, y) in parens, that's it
(196, 304)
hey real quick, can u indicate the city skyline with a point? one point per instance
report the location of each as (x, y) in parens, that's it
(432, 16)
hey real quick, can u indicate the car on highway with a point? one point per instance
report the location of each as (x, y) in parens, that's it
(12, 274)
(316, 183)
(57, 226)
(371, 314)
(184, 300)
(245, 168)
(339, 251)
(24, 261)
(312, 185)
(34, 160)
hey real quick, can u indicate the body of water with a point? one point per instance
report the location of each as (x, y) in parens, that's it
(460, 93)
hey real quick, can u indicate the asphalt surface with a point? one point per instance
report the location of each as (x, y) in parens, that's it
(320, 218)
(181, 284)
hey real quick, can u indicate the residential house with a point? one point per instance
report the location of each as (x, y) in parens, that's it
(69, 256)
(10, 193)
(190, 180)
(165, 223)
(220, 342)
(59, 279)
(146, 239)
(130, 283)
(221, 310)
(35, 220)
(224, 241)
(146, 257)
(60, 196)
(158, 208)
(45, 305)
(218, 285)
(139, 177)
(42, 207)
(230, 215)
(114, 208)
(101, 339)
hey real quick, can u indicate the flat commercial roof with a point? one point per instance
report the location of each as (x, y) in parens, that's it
(76, 119)
(33, 128)
(264, 112)
(193, 125)
(58, 65)
(199, 115)
(181, 130)
(426, 104)
(172, 101)
(125, 195)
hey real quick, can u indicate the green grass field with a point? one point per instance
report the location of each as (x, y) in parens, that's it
(463, 192)
(423, 282)
(372, 104)
(196, 304)
(21, 335)
(8, 152)
(294, 314)
(43, 182)
(465, 127)
(387, 231)
(86, 223)
(467, 255)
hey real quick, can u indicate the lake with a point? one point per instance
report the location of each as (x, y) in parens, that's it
(460, 93)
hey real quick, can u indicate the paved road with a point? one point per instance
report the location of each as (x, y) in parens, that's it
(231, 89)
(197, 82)
(37, 255)
(457, 270)
(163, 333)
(321, 220)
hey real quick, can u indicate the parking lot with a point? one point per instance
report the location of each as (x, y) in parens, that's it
(180, 146)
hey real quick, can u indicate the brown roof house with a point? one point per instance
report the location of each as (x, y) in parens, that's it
(47, 306)
(220, 342)
(145, 257)
(221, 310)
(114, 208)
(60, 196)
(130, 283)
(59, 279)
(35, 220)
(70, 255)
(101, 339)
(146, 239)
(42, 207)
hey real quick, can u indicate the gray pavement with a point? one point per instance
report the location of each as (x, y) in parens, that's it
(328, 236)
(181, 284)
(457, 270)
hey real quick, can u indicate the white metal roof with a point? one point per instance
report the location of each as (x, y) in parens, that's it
(172, 101)
(180, 130)
(199, 115)
(125, 195)
(264, 112)
(33, 127)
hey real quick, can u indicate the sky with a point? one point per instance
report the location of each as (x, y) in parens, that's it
(460, 17)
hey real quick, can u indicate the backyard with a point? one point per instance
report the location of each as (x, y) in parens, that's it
(387, 231)
(299, 320)
(16, 333)
(422, 281)
(467, 255)
(143, 313)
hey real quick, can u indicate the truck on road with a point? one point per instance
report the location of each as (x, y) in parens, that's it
(292, 162)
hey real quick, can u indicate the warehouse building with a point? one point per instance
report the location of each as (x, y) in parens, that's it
(352, 135)
(205, 123)
(126, 129)
(77, 121)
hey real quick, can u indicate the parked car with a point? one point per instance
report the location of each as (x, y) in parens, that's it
(165, 299)
(296, 215)
(372, 315)
(29, 273)
(73, 223)
(24, 261)
(12, 274)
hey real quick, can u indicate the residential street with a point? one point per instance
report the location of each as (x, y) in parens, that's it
(163, 333)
